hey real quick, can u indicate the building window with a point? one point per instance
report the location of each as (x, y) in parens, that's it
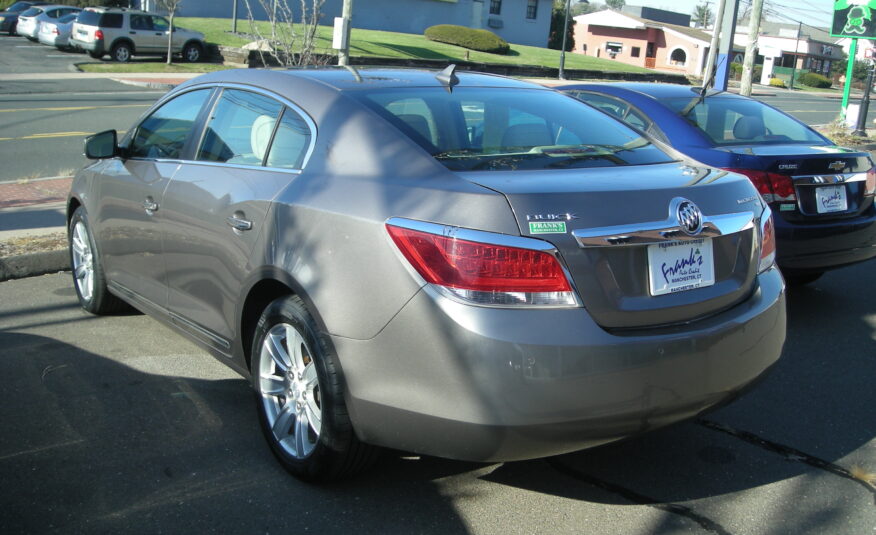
(635, 51)
(614, 49)
(495, 7)
(531, 9)
(678, 57)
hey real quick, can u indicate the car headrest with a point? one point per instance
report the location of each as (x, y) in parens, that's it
(260, 136)
(749, 127)
(418, 124)
(527, 135)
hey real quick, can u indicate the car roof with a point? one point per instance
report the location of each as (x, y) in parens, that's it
(368, 77)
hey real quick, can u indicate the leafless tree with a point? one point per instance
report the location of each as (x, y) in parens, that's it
(171, 6)
(290, 43)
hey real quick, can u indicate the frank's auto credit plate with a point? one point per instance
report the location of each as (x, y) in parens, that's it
(680, 265)
(831, 199)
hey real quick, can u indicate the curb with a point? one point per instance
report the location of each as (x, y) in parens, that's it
(147, 84)
(33, 264)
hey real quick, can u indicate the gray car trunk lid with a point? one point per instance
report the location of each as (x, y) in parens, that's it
(613, 280)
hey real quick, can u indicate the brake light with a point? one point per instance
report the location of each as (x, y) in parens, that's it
(55, 31)
(870, 190)
(484, 273)
(767, 242)
(98, 35)
(773, 187)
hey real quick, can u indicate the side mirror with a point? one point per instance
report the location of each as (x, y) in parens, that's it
(102, 145)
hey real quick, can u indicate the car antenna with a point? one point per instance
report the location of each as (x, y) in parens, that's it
(702, 95)
(448, 78)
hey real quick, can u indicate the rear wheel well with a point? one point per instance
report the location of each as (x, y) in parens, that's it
(71, 208)
(123, 40)
(259, 297)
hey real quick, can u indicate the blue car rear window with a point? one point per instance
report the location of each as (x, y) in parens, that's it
(737, 121)
(484, 129)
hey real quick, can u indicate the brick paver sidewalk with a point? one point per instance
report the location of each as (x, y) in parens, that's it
(29, 192)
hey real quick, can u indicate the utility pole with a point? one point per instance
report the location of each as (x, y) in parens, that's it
(347, 15)
(860, 127)
(796, 51)
(562, 74)
(750, 48)
(713, 47)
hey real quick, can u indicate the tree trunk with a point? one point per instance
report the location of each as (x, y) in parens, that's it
(170, 41)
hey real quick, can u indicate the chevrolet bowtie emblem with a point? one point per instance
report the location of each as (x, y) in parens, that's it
(838, 165)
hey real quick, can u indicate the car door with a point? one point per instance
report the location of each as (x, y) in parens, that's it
(160, 28)
(215, 209)
(130, 196)
(142, 33)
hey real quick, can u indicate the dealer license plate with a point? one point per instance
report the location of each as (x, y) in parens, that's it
(680, 265)
(831, 199)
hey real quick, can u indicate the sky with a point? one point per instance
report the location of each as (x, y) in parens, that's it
(812, 12)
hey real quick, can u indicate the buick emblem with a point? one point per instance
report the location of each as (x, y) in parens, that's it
(690, 219)
(838, 165)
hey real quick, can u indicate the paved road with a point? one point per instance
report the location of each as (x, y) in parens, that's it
(118, 425)
(810, 108)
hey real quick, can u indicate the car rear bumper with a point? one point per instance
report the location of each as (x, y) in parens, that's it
(93, 46)
(822, 246)
(488, 384)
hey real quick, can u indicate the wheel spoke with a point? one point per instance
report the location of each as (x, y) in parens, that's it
(76, 243)
(81, 271)
(302, 437)
(282, 427)
(271, 385)
(309, 376)
(274, 345)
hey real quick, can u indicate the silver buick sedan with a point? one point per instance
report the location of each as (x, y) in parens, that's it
(454, 264)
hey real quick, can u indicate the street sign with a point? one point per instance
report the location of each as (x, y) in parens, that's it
(854, 18)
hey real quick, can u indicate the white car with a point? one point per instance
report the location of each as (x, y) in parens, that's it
(57, 33)
(29, 21)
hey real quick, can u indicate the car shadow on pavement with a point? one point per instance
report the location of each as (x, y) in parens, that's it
(92, 445)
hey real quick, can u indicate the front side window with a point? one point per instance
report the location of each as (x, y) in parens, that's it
(495, 7)
(531, 9)
(481, 129)
(240, 128)
(735, 121)
(160, 24)
(163, 134)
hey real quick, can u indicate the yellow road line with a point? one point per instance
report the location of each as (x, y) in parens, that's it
(52, 135)
(77, 108)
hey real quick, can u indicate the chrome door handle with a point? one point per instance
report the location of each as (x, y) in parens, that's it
(238, 223)
(150, 206)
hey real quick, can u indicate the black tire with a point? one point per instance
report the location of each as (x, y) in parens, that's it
(799, 279)
(309, 392)
(96, 55)
(88, 278)
(192, 53)
(121, 52)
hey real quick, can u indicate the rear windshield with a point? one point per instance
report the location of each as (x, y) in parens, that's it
(104, 20)
(485, 129)
(737, 121)
(32, 12)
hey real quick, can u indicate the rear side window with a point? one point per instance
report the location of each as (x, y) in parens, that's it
(240, 128)
(111, 20)
(737, 121)
(163, 134)
(291, 141)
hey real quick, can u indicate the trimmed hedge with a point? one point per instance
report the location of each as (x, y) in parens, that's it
(813, 79)
(777, 82)
(480, 40)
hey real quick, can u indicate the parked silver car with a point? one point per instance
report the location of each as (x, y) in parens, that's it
(123, 33)
(29, 21)
(460, 265)
(57, 34)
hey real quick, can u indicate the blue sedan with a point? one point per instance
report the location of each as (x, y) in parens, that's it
(822, 194)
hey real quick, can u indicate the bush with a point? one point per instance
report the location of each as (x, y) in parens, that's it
(777, 82)
(481, 40)
(813, 79)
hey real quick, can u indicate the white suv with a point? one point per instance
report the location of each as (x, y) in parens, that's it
(122, 33)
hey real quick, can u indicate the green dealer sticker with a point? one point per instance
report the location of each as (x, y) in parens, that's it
(547, 227)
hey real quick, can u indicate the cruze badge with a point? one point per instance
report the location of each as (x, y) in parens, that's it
(690, 219)
(838, 165)
(551, 217)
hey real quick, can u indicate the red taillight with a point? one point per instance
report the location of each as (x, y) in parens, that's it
(773, 187)
(55, 31)
(98, 35)
(870, 190)
(485, 273)
(767, 243)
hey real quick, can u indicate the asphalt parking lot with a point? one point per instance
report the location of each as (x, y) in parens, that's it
(117, 424)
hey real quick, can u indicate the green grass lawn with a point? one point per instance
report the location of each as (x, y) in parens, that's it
(378, 44)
